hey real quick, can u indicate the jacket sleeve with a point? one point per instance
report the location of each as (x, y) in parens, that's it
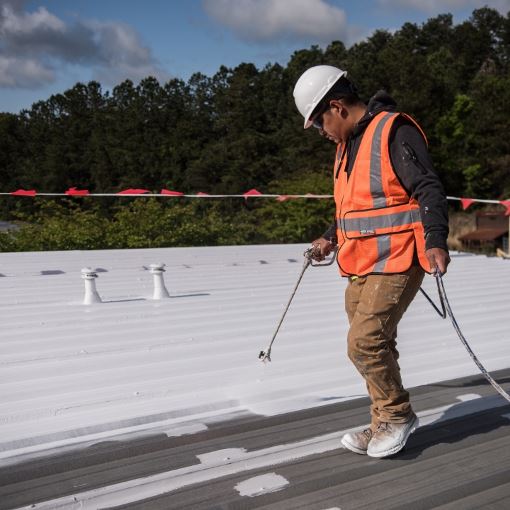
(330, 234)
(413, 166)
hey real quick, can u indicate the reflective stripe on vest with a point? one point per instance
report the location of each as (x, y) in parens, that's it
(376, 188)
(368, 226)
(383, 252)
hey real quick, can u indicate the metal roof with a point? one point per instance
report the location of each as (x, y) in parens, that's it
(458, 459)
(130, 399)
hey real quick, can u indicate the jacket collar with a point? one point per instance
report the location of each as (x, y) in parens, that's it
(381, 101)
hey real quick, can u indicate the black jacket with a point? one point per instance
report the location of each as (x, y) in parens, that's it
(413, 167)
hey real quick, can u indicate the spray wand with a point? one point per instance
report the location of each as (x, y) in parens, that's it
(309, 255)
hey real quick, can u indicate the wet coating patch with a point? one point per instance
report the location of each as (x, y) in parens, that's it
(263, 484)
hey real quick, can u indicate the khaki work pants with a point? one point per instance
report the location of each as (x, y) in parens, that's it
(374, 305)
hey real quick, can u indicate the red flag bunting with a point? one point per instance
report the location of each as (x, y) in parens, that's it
(171, 193)
(252, 193)
(506, 203)
(466, 202)
(25, 193)
(134, 191)
(77, 192)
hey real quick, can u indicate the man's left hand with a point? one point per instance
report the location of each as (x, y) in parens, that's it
(438, 259)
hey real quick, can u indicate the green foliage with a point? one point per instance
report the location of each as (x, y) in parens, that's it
(239, 129)
(155, 223)
(476, 183)
(452, 132)
(297, 220)
(151, 223)
(144, 223)
(57, 227)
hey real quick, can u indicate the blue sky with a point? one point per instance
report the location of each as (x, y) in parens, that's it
(46, 46)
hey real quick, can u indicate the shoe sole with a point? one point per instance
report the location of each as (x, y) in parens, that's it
(398, 447)
(353, 448)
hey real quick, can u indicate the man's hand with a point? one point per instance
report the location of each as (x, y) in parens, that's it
(438, 259)
(322, 248)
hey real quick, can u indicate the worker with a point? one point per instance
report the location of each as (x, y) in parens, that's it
(391, 226)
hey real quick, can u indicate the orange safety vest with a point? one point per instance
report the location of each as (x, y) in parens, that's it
(379, 226)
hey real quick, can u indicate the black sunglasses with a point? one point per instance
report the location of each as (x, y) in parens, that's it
(317, 121)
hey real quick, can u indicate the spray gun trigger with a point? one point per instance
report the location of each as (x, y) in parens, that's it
(264, 356)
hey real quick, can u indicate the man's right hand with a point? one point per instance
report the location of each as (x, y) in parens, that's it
(321, 249)
(438, 259)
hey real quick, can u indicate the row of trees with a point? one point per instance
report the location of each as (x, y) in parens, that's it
(240, 129)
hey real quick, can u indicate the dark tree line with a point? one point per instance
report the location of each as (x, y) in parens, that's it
(240, 129)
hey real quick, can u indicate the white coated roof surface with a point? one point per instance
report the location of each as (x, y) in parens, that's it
(73, 375)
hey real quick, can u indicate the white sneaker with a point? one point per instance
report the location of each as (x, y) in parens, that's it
(357, 442)
(390, 438)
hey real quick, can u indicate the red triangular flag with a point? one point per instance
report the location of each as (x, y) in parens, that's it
(171, 193)
(506, 203)
(133, 191)
(25, 193)
(466, 202)
(282, 198)
(252, 193)
(77, 192)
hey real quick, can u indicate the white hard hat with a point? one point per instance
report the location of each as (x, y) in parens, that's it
(312, 86)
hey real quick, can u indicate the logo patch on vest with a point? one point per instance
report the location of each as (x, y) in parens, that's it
(365, 232)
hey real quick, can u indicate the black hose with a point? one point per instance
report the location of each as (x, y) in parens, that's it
(446, 309)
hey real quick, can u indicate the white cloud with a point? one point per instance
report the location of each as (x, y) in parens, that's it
(441, 6)
(23, 73)
(270, 20)
(33, 45)
(121, 54)
(18, 23)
